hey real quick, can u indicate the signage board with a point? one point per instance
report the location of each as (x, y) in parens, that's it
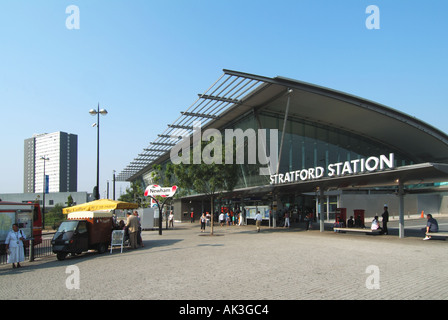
(251, 212)
(156, 190)
(117, 239)
(339, 169)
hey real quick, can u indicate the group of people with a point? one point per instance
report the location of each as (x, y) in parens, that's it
(284, 217)
(227, 219)
(224, 219)
(359, 223)
(231, 218)
(132, 227)
(132, 230)
(236, 218)
(431, 224)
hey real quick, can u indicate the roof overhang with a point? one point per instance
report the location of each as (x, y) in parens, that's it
(386, 126)
(408, 175)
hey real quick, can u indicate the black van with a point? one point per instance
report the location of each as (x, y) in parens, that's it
(77, 236)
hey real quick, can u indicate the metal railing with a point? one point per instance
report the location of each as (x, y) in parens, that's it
(40, 250)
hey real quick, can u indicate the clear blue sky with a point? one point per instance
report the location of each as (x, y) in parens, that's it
(145, 61)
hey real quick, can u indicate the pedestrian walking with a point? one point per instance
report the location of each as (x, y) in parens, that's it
(208, 218)
(221, 219)
(14, 246)
(287, 225)
(258, 219)
(203, 221)
(171, 220)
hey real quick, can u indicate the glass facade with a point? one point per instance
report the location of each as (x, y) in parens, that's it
(308, 145)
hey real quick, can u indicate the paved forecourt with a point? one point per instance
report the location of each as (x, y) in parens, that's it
(240, 264)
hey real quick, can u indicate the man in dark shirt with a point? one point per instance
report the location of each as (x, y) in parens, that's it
(385, 216)
(431, 226)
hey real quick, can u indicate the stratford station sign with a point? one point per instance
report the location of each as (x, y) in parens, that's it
(339, 169)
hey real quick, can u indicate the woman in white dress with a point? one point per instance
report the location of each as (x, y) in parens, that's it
(14, 246)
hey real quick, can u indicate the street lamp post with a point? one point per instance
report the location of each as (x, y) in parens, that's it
(113, 186)
(43, 192)
(97, 112)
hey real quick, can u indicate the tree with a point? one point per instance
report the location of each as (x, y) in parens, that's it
(134, 194)
(55, 216)
(69, 201)
(162, 176)
(209, 179)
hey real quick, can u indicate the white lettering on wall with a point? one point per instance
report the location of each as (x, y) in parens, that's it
(338, 169)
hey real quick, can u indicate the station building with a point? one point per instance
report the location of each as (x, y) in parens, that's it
(335, 150)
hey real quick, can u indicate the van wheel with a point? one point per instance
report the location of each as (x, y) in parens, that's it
(61, 255)
(102, 248)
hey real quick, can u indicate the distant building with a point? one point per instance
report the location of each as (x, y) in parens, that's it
(51, 199)
(61, 167)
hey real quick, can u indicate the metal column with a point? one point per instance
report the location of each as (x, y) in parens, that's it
(401, 209)
(285, 121)
(321, 206)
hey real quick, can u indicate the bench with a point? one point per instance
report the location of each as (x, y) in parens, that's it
(366, 231)
(437, 234)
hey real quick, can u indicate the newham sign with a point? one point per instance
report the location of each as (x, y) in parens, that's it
(339, 169)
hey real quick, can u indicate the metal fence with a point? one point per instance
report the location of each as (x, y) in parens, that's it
(40, 250)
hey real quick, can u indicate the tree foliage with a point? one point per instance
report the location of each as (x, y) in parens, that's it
(134, 194)
(209, 179)
(54, 216)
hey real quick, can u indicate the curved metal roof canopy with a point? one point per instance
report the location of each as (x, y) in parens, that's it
(236, 93)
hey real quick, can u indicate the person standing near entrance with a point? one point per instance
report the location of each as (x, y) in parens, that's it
(171, 220)
(287, 224)
(308, 221)
(385, 216)
(258, 219)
